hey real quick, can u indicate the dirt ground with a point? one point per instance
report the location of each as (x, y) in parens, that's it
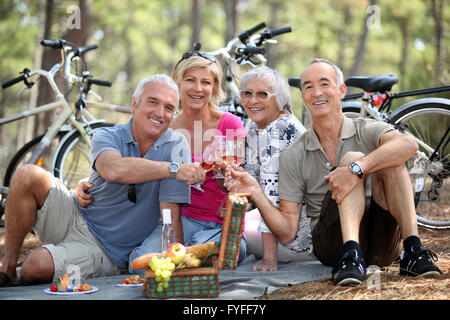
(385, 284)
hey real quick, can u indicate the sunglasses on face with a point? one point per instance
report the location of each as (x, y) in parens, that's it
(203, 55)
(132, 193)
(260, 95)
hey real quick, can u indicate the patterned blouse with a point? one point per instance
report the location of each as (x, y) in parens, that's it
(263, 150)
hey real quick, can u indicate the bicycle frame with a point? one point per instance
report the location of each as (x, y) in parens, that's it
(66, 114)
(381, 113)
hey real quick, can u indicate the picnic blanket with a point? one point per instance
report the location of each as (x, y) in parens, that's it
(239, 284)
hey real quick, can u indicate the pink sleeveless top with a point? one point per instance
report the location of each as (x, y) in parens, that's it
(205, 205)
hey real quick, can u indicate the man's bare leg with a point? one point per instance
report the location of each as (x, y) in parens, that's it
(351, 269)
(392, 190)
(28, 190)
(351, 209)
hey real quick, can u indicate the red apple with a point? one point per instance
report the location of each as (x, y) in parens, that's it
(176, 251)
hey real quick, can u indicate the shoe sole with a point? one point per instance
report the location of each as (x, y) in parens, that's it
(429, 274)
(349, 282)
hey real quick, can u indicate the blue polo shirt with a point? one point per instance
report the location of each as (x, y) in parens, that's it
(118, 224)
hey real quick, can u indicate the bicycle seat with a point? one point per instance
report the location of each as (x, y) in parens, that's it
(380, 83)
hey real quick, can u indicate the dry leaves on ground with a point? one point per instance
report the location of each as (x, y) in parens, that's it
(388, 286)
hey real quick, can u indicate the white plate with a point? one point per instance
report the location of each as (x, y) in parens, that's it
(47, 291)
(130, 285)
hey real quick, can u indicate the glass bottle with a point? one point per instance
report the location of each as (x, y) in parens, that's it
(167, 233)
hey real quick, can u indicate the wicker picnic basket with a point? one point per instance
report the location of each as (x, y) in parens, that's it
(204, 281)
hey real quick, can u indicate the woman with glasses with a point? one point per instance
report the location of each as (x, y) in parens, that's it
(265, 96)
(199, 76)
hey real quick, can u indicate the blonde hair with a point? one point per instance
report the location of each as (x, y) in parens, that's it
(184, 66)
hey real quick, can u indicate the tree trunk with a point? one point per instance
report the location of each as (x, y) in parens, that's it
(343, 37)
(78, 37)
(34, 92)
(196, 21)
(231, 19)
(437, 7)
(359, 56)
(275, 7)
(46, 62)
(403, 24)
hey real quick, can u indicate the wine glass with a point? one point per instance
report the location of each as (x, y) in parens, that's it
(208, 162)
(234, 154)
(219, 146)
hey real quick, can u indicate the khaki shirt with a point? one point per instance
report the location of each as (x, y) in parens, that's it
(304, 164)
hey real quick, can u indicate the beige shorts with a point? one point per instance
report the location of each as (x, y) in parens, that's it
(67, 237)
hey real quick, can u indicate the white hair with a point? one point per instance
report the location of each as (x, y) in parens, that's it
(339, 75)
(159, 78)
(279, 84)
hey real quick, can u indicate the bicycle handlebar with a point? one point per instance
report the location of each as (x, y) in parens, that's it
(67, 54)
(244, 35)
(99, 82)
(268, 34)
(79, 51)
(250, 50)
(12, 82)
(55, 44)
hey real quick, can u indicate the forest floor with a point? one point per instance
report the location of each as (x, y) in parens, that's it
(385, 285)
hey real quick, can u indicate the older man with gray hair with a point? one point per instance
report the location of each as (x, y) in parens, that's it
(139, 169)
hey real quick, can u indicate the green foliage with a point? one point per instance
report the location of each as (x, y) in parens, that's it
(140, 37)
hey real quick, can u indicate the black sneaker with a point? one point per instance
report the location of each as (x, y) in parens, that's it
(419, 263)
(350, 270)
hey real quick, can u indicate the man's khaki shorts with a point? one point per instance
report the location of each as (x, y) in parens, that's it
(66, 236)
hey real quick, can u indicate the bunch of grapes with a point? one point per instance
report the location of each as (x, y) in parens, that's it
(162, 267)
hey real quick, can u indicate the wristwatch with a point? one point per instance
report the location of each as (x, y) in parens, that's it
(356, 169)
(173, 167)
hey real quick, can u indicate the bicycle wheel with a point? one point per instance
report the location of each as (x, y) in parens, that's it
(351, 109)
(73, 161)
(429, 121)
(24, 154)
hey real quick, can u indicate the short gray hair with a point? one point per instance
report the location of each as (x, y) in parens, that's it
(159, 78)
(339, 75)
(279, 84)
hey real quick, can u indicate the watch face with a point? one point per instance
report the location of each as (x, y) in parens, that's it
(356, 169)
(173, 167)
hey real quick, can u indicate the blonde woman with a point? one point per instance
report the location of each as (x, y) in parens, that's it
(198, 76)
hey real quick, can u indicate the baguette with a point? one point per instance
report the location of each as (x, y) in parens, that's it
(201, 250)
(142, 261)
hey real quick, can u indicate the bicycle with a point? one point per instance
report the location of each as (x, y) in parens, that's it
(245, 48)
(428, 120)
(71, 130)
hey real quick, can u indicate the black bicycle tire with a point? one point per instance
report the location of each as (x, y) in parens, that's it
(410, 109)
(68, 143)
(13, 163)
(351, 109)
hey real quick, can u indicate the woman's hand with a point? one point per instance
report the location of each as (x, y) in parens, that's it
(82, 197)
